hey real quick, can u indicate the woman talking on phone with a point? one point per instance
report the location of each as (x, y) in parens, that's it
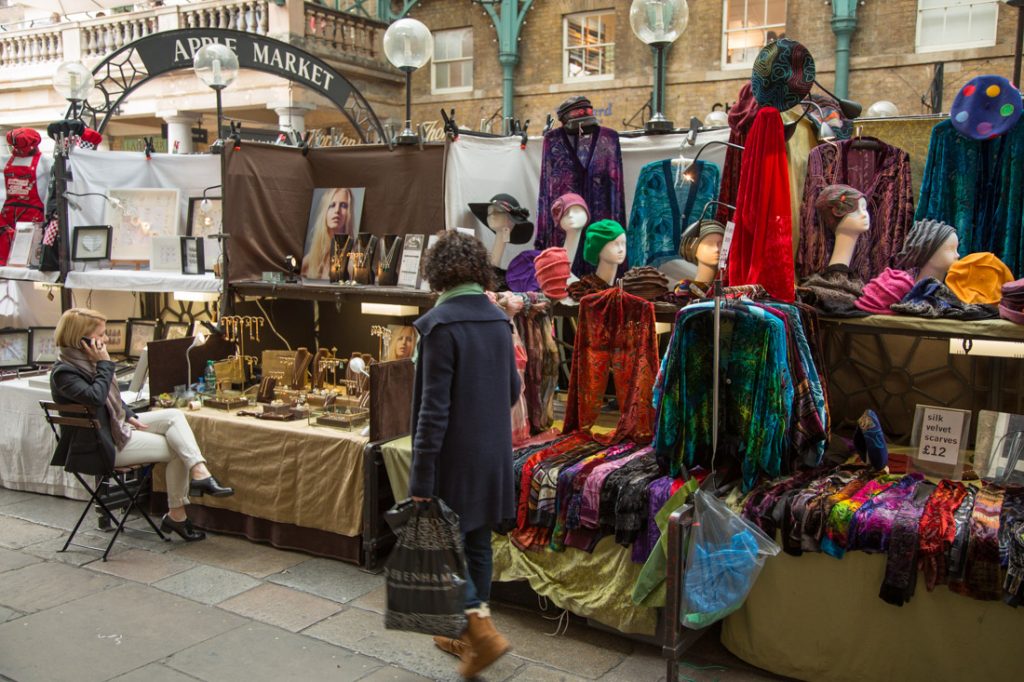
(84, 374)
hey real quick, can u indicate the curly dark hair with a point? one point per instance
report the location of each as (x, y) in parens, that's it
(456, 259)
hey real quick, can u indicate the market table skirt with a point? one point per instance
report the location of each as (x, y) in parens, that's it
(296, 486)
(817, 618)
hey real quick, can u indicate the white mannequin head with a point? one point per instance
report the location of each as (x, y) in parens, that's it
(575, 218)
(614, 251)
(857, 222)
(708, 250)
(499, 221)
(938, 265)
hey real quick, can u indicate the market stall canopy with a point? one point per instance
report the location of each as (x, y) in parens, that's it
(66, 7)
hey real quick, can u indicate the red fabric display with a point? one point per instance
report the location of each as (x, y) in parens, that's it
(616, 334)
(23, 203)
(762, 244)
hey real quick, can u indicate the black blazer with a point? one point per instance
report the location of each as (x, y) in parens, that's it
(83, 450)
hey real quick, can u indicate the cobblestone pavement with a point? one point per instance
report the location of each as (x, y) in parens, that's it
(229, 609)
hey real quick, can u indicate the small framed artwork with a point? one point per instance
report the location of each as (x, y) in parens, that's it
(140, 332)
(21, 247)
(165, 254)
(117, 336)
(205, 219)
(35, 257)
(14, 348)
(412, 253)
(43, 350)
(90, 242)
(176, 330)
(192, 251)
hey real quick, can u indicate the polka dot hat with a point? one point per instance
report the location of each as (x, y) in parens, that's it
(987, 107)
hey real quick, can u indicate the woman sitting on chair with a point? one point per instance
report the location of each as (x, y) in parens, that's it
(84, 374)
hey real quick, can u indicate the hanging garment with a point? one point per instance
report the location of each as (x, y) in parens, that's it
(982, 578)
(616, 335)
(762, 244)
(978, 186)
(883, 175)
(590, 165)
(664, 204)
(901, 560)
(22, 205)
(938, 531)
(753, 392)
(741, 118)
(536, 329)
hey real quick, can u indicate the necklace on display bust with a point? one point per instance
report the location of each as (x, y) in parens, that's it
(387, 255)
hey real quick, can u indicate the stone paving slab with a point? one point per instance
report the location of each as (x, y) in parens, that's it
(42, 586)
(363, 631)
(376, 601)
(55, 512)
(142, 566)
(107, 634)
(281, 606)
(236, 554)
(15, 533)
(154, 672)
(11, 496)
(329, 579)
(538, 673)
(7, 614)
(50, 550)
(258, 652)
(10, 560)
(393, 674)
(207, 584)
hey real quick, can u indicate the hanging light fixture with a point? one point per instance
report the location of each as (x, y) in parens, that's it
(408, 45)
(658, 23)
(73, 81)
(216, 65)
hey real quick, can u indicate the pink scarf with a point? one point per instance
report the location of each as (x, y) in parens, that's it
(119, 429)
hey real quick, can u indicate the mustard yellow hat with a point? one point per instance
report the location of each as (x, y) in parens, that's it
(979, 278)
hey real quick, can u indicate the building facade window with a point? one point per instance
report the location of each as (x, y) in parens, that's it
(956, 24)
(451, 68)
(588, 46)
(749, 25)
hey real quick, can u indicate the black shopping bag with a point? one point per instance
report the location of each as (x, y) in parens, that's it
(426, 572)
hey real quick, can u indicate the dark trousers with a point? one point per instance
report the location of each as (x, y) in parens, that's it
(479, 562)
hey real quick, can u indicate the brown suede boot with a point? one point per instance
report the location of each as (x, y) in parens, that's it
(455, 647)
(486, 645)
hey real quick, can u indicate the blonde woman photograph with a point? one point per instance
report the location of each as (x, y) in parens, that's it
(336, 212)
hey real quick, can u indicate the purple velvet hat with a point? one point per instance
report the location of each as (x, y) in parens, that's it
(522, 273)
(987, 107)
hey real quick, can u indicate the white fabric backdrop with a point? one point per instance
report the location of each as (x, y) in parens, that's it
(477, 168)
(98, 171)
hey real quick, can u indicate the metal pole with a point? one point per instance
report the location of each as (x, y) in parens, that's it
(1018, 46)
(220, 114)
(64, 233)
(659, 79)
(408, 99)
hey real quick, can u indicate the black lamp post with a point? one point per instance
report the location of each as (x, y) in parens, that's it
(658, 23)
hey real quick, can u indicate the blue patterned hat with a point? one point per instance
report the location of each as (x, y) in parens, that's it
(783, 74)
(987, 107)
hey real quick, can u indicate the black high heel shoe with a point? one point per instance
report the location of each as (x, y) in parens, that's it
(184, 528)
(208, 486)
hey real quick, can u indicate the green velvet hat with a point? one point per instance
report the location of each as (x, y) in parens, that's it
(598, 236)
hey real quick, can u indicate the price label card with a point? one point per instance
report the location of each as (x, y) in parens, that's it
(723, 254)
(941, 435)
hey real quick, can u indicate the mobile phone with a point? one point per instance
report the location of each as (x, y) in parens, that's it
(87, 341)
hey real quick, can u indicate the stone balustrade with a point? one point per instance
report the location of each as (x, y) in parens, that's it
(339, 33)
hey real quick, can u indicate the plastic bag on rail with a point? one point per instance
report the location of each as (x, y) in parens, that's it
(425, 575)
(725, 556)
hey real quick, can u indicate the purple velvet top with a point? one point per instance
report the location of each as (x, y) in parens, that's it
(590, 165)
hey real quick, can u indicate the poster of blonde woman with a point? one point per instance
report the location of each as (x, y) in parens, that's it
(335, 212)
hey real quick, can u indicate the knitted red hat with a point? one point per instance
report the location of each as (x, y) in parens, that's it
(553, 272)
(23, 141)
(90, 139)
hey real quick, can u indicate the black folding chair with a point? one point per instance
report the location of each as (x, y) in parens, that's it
(84, 418)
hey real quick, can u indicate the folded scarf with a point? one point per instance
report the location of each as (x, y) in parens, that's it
(932, 299)
(938, 530)
(901, 560)
(1013, 585)
(982, 577)
(837, 532)
(872, 524)
(833, 291)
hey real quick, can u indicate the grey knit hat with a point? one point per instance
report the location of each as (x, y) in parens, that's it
(925, 238)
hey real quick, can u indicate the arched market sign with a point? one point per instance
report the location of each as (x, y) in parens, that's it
(127, 69)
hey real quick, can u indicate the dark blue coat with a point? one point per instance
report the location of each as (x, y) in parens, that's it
(466, 383)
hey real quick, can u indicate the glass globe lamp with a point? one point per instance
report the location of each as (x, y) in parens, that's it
(658, 23)
(408, 45)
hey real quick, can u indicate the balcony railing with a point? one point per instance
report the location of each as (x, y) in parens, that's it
(333, 34)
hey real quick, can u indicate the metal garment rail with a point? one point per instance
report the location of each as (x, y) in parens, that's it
(677, 639)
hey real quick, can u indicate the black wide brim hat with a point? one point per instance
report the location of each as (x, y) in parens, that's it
(522, 229)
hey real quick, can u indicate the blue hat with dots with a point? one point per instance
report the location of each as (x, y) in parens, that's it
(987, 107)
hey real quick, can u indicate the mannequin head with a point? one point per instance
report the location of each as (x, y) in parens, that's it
(708, 250)
(701, 242)
(921, 249)
(614, 251)
(500, 221)
(837, 202)
(943, 258)
(570, 212)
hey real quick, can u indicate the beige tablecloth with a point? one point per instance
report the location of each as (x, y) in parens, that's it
(286, 472)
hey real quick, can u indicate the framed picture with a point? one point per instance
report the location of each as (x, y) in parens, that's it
(117, 337)
(176, 330)
(192, 251)
(165, 254)
(205, 219)
(90, 242)
(142, 214)
(35, 257)
(140, 332)
(43, 350)
(14, 348)
(21, 247)
(334, 211)
(412, 253)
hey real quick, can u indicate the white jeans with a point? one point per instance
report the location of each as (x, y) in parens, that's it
(168, 439)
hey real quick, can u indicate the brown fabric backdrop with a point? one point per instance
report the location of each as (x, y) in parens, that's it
(269, 190)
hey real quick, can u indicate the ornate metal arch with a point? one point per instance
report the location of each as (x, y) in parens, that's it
(127, 69)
